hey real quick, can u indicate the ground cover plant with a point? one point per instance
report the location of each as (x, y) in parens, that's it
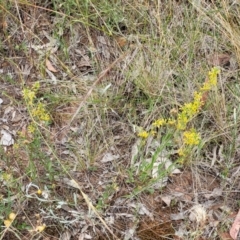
(119, 119)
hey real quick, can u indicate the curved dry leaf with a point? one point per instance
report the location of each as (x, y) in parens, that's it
(235, 227)
(167, 199)
(218, 59)
(225, 236)
(50, 67)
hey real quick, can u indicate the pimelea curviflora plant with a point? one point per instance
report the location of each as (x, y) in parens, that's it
(36, 108)
(184, 135)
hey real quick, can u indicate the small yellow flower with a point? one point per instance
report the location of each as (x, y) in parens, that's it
(45, 117)
(182, 121)
(206, 87)
(31, 128)
(198, 99)
(171, 122)
(40, 112)
(213, 76)
(153, 133)
(28, 96)
(7, 177)
(212, 79)
(160, 122)
(16, 146)
(36, 86)
(36, 108)
(191, 137)
(143, 134)
(181, 160)
(40, 228)
(39, 192)
(181, 152)
(12, 216)
(189, 110)
(7, 223)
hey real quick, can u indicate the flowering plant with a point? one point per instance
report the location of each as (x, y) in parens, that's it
(189, 137)
(36, 108)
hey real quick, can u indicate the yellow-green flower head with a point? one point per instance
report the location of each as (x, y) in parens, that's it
(171, 121)
(213, 76)
(191, 137)
(28, 96)
(181, 152)
(198, 98)
(152, 133)
(206, 86)
(143, 134)
(31, 128)
(36, 86)
(189, 110)
(160, 122)
(182, 121)
(212, 79)
(41, 113)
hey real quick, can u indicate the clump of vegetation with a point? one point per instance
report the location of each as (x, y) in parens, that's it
(37, 109)
(184, 136)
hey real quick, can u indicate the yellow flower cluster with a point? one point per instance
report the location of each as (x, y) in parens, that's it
(189, 110)
(29, 96)
(212, 79)
(143, 134)
(191, 137)
(10, 219)
(40, 228)
(31, 128)
(160, 122)
(40, 112)
(36, 108)
(181, 152)
(156, 124)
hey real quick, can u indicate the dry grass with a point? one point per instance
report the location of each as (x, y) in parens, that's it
(107, 70)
